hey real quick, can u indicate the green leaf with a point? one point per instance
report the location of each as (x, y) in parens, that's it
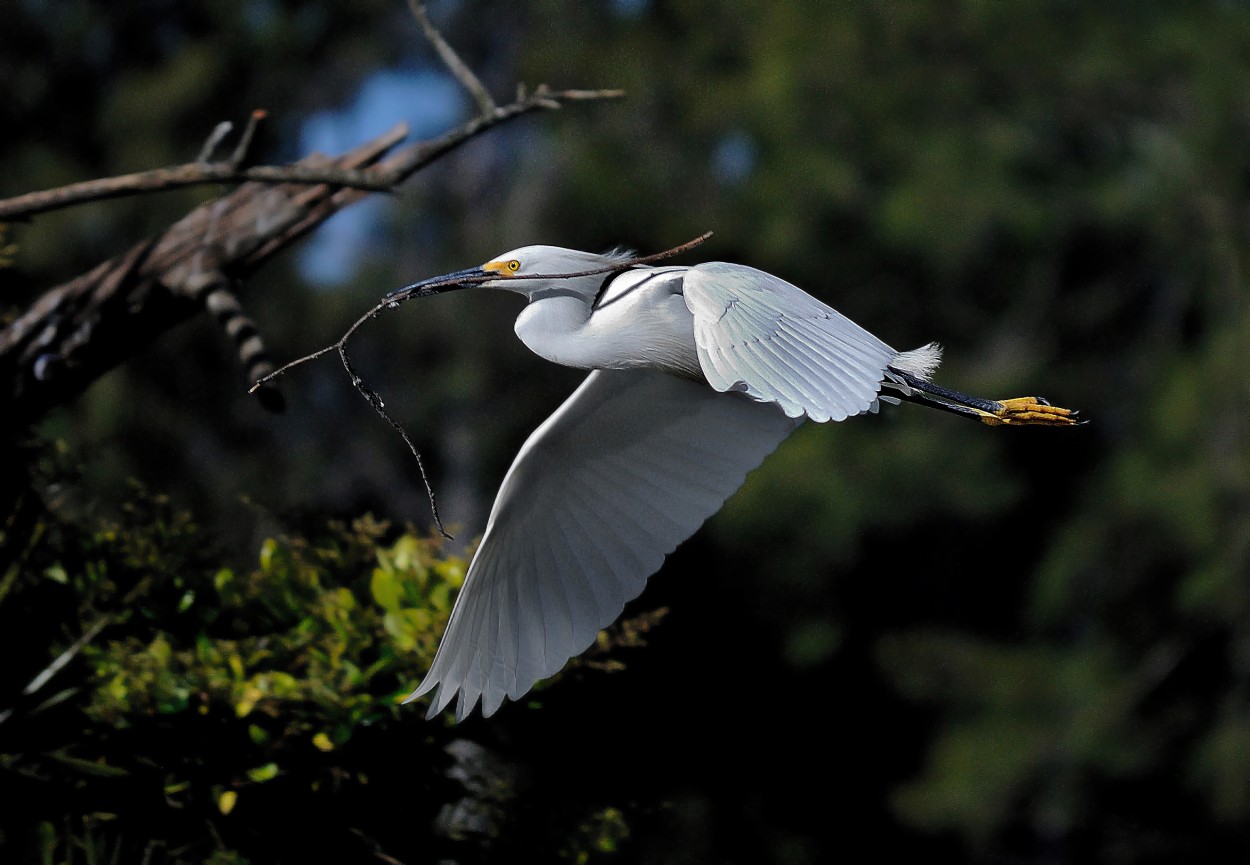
(385, 589)
(263, 773)
(223, 578)
(226, 800)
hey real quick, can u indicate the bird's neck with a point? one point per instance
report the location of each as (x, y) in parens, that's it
(549, 326)
(640, 321)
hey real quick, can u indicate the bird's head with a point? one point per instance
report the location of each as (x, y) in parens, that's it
(534, 271)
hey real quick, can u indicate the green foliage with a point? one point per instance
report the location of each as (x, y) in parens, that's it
(303, 644)
(1139, 600)
(1025, 724)
(598, 838)
(286, 662)
(173, 689)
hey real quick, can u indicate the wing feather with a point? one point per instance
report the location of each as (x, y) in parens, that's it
(827, 371)
(761, 335)
(790, 370)
(629, 467)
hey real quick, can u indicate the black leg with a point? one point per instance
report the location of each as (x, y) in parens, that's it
(954, 396)
(1022, 411)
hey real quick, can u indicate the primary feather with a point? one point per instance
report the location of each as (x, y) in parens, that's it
(629, 467)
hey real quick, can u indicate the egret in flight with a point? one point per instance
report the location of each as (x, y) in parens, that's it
(697, 374)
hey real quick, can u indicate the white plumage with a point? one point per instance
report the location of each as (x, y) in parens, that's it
(598, 495)
(698, 374)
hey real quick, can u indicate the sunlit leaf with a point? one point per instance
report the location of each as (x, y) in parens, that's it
(226, 800)
(265, 772)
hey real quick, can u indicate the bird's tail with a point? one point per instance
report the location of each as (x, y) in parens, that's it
(920, 362)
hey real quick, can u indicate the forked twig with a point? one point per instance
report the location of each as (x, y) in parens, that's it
(457, 67)
(393, 300)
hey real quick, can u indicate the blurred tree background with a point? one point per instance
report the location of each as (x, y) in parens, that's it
(907, 632)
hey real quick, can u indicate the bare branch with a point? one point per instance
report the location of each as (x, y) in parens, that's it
(59, 662)
(218, 135)
(308, 172)
(78, 331)
(457, 67)
(174, 177)
(376, 848)
(245, 140)
(562, 96)
(418, 155)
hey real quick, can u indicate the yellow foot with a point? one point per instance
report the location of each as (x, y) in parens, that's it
(1029, 410)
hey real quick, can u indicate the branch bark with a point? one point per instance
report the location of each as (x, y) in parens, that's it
(203, 170)
(79, 330)
(31, 204)
(456, 66)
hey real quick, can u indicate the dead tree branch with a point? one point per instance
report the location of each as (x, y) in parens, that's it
(456, 66)
(79, 330)
(198, 173)
(23, 207)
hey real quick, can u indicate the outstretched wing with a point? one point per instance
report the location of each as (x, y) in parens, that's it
(629, 467)
(775, 342)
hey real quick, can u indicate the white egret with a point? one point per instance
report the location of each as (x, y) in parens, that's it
(698, 373)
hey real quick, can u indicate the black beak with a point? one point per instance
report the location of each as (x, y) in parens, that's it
(440, 284)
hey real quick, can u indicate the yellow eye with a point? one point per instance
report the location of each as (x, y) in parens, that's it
(513, 266)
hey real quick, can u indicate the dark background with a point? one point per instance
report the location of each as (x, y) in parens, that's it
(907, 633)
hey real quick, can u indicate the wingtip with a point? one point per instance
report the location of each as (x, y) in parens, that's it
(429, 684)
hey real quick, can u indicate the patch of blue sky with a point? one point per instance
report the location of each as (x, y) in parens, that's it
(429, 102)
(734, 158)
